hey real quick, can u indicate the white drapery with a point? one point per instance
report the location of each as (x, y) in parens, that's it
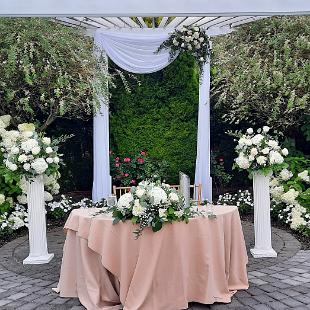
(135, 51)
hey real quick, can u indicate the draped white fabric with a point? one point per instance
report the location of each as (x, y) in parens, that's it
(202, 173)
(135, 51)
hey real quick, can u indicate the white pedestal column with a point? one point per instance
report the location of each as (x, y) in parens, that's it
(37, 223)
(262, 224)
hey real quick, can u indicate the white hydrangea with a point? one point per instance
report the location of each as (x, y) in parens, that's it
(257, 139)
(285, 174)
(48, 150)
(304, 176)
(125, 200)
(26, 127)
(46, 140)
(266, 129)
(47, 196)
(2, 199)
(28, 145)
(242, 161)
(36, 150)
(22, 199)
(56, 159)
(284, 151)
(23, 184)
(266, 150)
(277, 192)
(26, 166)
(249, 131)
(22, 158)
(174, 197)
(162, 213)
(49, 160)
(39, 165)
(5, 121)
(158, 194)
(275, 157)
(297, 218)
(290, 196)
(273, 143)
(179, 213)
(261, 160)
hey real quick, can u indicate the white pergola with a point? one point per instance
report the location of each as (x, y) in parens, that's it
(217, 17)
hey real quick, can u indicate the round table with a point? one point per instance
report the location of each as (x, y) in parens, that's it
(107, 268)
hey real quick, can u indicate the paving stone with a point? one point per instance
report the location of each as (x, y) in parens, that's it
(291, 302)
(277, 305)
(29, 306)
(277, 295)
(17, 296)
(3, 302)
(303, 298)
(261, 307)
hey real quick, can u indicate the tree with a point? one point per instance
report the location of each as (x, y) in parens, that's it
(261, 73)
(47, 71)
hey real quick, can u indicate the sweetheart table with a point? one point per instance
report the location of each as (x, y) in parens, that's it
(107, 268)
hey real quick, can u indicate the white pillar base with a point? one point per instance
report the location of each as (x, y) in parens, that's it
(38, 252)
(257, 253)
(36, 260)
(262, 223)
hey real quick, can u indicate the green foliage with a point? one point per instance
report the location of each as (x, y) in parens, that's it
(262, 74)
(160, 116)
(47, 71)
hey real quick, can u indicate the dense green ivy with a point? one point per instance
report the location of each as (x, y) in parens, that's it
(160, 117)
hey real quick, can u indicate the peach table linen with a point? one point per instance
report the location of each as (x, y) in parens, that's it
(106, 268)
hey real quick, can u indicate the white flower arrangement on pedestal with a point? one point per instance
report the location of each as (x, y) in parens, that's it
(29, 154)
(259, 151)
(151, 205)
(189, 39)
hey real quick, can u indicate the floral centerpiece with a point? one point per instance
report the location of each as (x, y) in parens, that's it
(151, 205)
(259, 151)
(189, 39)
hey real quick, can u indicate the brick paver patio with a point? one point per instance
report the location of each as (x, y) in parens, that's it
(275, 283)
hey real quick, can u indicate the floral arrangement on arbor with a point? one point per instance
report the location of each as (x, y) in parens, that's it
(130, 170)
(290, 194)
(259, 151)
(189, 39)
(151, 205)
(24, 154)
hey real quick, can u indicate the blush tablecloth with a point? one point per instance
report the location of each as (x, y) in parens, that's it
(106, 268)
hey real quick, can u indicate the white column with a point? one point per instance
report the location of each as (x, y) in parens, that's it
(262, 223)
(202, 173)
(37, 223)
(101, 158)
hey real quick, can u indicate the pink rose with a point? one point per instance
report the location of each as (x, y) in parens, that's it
(126, 174)
(127, 159)
(117, 165)
(140, 160)
(143, 153)
(116, 158)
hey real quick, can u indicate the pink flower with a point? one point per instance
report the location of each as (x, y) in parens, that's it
(140, 160)
(127, 159)
(126, 174)
(133, 182)
(117, 165)
(143, 153)
(116, 158)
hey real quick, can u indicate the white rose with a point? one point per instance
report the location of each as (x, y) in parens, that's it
(2, 199)
(189, 47)
(22, 158)
(49, 160)
(162, 213)
(56, 160)
(179, 213)
(254, 151)
(140, 192)
(36, 150)
(196, 28)
(265, 150)
(285, 151)
(196, 35)
(39, 165)
(28, 145)
(26, 166)
(261, 160)
(266, 129)
(249, 131)
(137, 209)
(5, 120)
(48, 150)
(201, 39)
(46, 140)
(12, 167)
(174, 197)
(272, 143)
(48, 196)
(175, 42)
(290, 196)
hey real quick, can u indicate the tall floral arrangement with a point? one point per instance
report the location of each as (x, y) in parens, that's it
(189, 39)
(259, 152)
(26, 154)
(151, 205)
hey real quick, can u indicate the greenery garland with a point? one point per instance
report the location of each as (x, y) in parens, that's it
(191, 40)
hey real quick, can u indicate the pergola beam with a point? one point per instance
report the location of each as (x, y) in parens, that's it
(96, 8)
